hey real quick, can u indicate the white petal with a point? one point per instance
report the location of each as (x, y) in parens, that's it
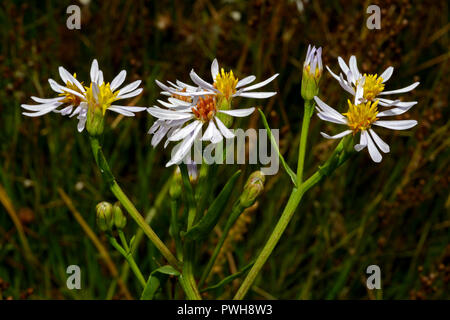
(396, 124)
(131, 94)
(379, 142)
(386, 75)
(245, 81)
(178, 102)
(261, 84)
(343, 65)
(168, 114)
(393, 112)
(70, 78)
(223, 129)
(81, 124)
(256, 95)
(41, 112)
(362, 141)
(185, 131)
(131, 108)
(45, 100)
(118, 80)
(55, 86)
(94, 71)
(121, 111)
(100, 78)
(354, 68)
(328, 117)
(238, 112)
(214, 69)
(402, 90)
(130, 87)
(327, 109)
(396, 103)
(183, 147)
(38, 107)
(337, 136)
(373, 151)
(200, 82)
(332, 73)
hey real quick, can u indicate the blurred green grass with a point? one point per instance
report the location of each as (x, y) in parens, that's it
(394, 214)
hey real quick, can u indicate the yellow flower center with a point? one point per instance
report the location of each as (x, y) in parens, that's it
(69, 97)
(205, 109)
(104, 98)
(360, 117)
(226, 83)
(372, 86)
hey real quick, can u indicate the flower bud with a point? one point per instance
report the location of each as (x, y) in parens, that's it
(105, 218)
(95, 120)
(252, 189)
(120, 220)
(312, 72)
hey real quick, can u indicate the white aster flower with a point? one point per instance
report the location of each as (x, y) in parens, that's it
(360, 118)
(226, 85)
(77, 99)
(70, 95)
(374, 84)
(313, 61)
(183, 121)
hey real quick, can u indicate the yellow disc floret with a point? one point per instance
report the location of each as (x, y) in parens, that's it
(360, 117)
(103, 99)
(226, 83)
(372, 86)
(70, 98)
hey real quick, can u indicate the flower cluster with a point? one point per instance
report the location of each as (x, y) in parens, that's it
(189, 108)
(76, 99)
(363, 111)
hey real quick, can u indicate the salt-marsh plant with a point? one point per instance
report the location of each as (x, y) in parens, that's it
(204, 112)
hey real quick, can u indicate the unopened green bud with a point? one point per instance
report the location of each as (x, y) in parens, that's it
(95, 121)
(312, 72)
(252, 189)
(105, 218)
(120, 220)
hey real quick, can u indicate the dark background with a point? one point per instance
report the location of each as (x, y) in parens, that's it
(394, 214)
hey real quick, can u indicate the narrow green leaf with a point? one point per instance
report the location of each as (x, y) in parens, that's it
(155, 279)
(203, 228)
(228, 279)
(275, 146)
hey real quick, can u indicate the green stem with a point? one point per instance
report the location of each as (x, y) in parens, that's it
(235, 213)
(339, 156)
(128, 205)
(175, 230)
(187, 277)
(308, 111)
(129, 257)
